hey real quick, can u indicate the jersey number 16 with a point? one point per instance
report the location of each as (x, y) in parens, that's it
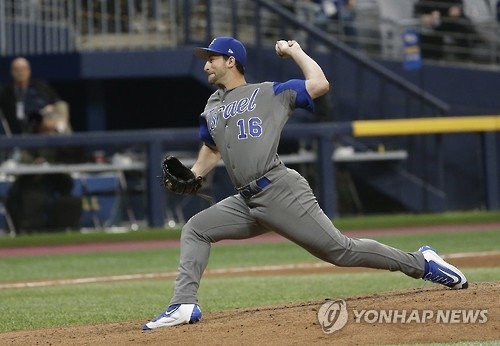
(252, 129)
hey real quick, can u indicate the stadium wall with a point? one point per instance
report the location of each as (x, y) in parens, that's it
(112, 91)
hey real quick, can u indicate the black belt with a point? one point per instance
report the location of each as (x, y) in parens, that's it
(248, 191)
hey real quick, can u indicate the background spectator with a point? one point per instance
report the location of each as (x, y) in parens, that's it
(31, 105)
(341, 12)
(444, 23)
(41, 201)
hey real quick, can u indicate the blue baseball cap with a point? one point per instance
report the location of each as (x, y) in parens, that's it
(225, 46)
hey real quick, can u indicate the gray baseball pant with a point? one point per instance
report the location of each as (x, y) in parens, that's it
(288, 207)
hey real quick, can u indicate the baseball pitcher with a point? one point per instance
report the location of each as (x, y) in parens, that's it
(241, 124)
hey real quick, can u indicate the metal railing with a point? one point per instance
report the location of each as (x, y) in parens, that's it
(36, 27)
(472, 38)
(62, 26)
(155, 142)
(411, 99)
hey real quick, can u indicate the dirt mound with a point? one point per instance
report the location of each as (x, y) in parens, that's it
(444, 311)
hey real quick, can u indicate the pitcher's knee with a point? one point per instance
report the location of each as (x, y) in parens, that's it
(338, 256)
(191, 231)
(342, 254)
(341, 258)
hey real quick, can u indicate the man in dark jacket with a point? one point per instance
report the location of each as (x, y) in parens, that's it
(443, 19)
(37, 202)
(27, 102)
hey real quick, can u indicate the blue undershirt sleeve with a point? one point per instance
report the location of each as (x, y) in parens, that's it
(303, 99)
(204, 134)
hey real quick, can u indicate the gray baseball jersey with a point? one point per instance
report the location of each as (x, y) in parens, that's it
(244, 124)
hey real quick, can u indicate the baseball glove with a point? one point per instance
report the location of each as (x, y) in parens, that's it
(178, 178)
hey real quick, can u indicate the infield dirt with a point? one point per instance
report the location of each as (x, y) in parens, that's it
(297, 324)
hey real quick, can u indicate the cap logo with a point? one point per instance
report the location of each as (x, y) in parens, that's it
(223, 46)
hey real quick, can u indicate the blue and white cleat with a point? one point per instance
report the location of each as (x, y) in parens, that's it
(439, 271)
(174, 315)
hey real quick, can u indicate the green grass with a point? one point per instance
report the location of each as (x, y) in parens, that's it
(75, 237)
(161, 260)
(410, 220)
(139, 300)
(342, 223)
(46, 267)
(35, 308)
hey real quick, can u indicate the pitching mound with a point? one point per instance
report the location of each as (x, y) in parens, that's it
(432, 314)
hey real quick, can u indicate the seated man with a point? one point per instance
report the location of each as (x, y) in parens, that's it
(444, 20)
(41, 201)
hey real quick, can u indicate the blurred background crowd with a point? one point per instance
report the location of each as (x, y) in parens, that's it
(91, 66)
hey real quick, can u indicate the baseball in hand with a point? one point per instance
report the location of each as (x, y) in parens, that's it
(278, 47)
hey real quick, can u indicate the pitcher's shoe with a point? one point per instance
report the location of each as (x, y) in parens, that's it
(174, 315)
(439, 271)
